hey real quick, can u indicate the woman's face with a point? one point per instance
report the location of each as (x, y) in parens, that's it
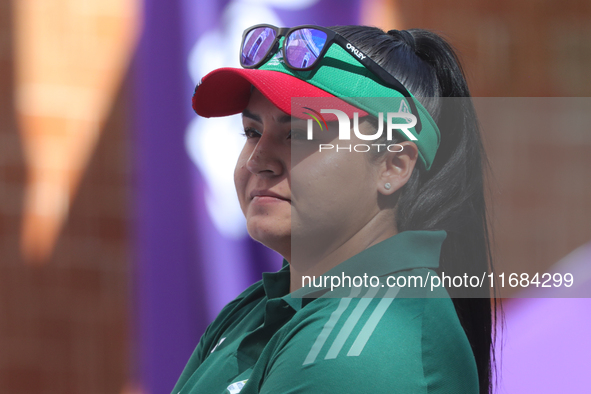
(294, 196)
(262, 174)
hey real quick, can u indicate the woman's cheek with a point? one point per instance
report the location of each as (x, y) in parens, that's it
(241, 176)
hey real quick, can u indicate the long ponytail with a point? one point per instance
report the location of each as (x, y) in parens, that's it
(450, 196)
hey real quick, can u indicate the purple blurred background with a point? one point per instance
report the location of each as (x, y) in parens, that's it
(154, 243)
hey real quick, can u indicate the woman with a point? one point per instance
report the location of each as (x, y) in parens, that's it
(413, 210)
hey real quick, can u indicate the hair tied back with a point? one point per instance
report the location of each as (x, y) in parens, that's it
(405, 37)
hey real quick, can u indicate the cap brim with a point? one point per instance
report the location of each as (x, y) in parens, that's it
(226, 91)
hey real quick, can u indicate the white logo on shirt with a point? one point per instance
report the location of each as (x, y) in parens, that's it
(236, 387)
(218, 344)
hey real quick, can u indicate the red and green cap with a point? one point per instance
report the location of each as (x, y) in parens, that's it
(226, 91)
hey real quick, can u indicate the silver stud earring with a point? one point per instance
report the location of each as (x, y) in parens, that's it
(387, 186)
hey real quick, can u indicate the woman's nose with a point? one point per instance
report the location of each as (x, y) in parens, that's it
(266, 158)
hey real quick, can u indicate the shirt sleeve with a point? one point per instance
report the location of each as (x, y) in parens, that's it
(418, 346)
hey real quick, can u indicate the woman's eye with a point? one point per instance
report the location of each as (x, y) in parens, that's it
(249, 132)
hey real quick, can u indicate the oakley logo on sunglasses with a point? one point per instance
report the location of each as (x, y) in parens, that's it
(345, 125)
(356, 51)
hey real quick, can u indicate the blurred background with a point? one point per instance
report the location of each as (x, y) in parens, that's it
(120, 233)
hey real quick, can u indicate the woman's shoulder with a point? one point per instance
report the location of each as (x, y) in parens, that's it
(375, 344)
(231, 315)
(239, 306)
(447, 354)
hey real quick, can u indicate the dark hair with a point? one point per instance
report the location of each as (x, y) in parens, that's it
(450, 196)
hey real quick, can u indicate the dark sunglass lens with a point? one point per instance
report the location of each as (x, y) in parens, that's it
(303, 47)
(256, 45)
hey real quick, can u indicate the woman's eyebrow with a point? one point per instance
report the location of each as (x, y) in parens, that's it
(247, 114)
(283, 119)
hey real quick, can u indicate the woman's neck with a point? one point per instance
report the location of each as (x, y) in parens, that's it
(375, 231)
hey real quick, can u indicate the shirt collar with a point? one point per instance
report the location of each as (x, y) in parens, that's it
(403, 251)
(276, 284)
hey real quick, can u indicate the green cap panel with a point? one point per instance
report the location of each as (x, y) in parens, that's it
(341, 75)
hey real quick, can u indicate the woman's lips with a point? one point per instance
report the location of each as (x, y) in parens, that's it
(267, 200)
(267, 196)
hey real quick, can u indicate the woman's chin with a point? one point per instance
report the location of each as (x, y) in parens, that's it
(272, 232)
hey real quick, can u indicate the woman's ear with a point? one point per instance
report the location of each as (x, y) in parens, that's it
(397, 166)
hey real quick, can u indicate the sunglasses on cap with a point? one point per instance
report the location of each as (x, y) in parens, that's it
(303, 46)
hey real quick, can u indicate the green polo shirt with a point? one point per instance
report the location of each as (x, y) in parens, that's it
(374, 340)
